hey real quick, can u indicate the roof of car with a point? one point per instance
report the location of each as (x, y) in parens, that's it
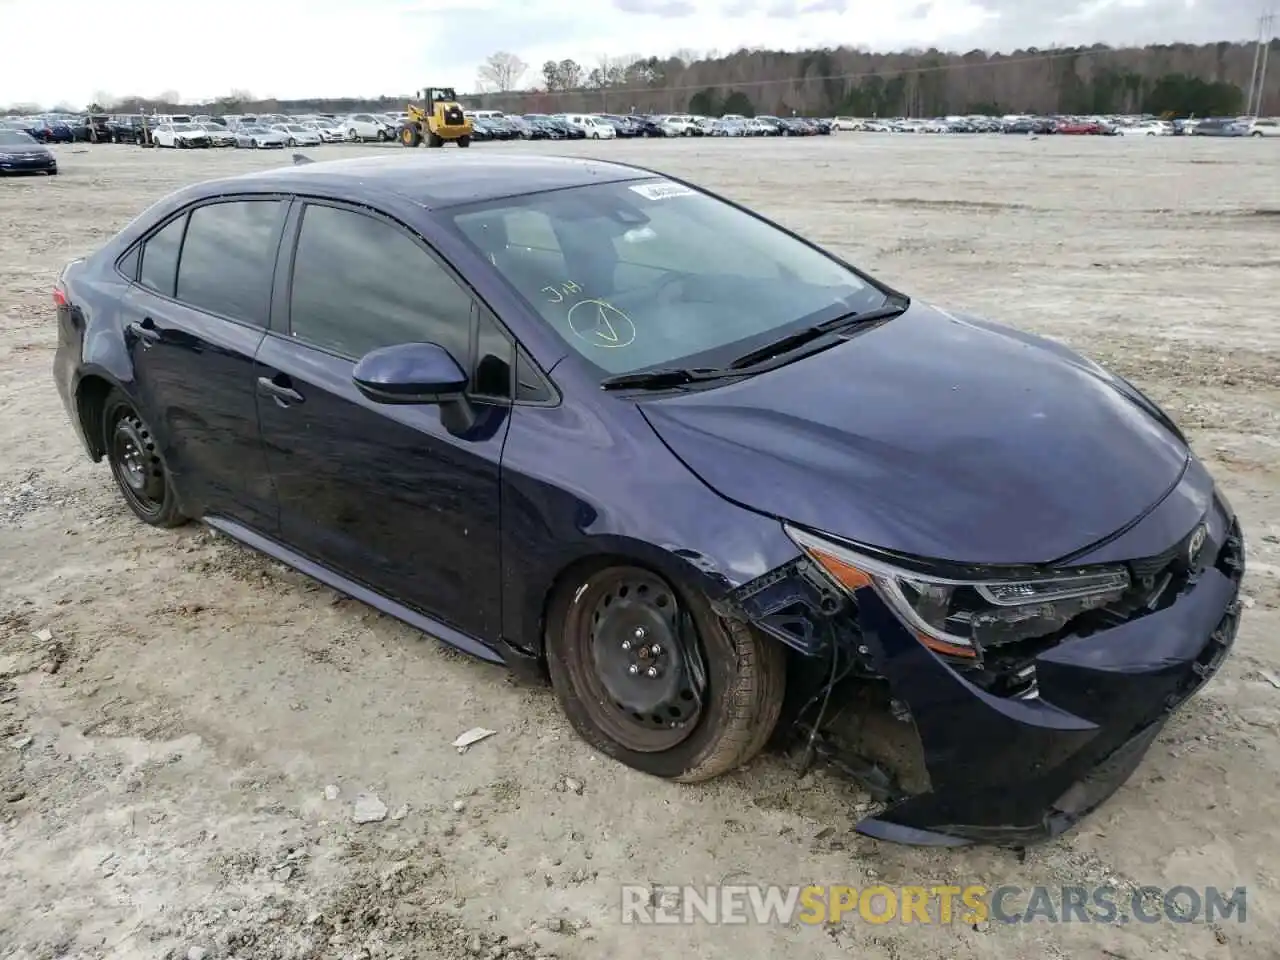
(436, 180)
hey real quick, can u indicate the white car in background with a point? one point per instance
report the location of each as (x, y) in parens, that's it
(593, 127)
(1263, 127)
(219, 136)
(180, 135)
(330, 131)
(679, 125)
(298, 135)
(365, 126)
(1147, 128)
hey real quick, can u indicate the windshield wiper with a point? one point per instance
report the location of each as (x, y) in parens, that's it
(663, 377)
(800, 337)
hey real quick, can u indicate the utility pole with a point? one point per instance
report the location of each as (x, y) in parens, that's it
(1258, 79)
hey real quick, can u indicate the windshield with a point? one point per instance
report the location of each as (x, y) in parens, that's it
(14, 138)
(185, 127)
(653, 273)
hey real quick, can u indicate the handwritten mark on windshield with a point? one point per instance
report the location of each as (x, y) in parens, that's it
(557, 294)
(601, 324)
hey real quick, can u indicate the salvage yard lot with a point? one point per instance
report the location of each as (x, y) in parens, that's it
(164, 758)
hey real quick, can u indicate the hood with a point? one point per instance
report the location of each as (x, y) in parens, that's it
(933, 436)
(24, 150)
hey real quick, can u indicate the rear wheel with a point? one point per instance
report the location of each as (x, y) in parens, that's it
(464, 141)
(434, 140)
(136, 464)
(656, 680)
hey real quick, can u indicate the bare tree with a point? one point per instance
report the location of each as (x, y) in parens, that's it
(502, 71)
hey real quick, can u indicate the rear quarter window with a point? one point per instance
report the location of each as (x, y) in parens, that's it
(160, 257)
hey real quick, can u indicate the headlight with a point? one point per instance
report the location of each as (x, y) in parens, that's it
(960, 617)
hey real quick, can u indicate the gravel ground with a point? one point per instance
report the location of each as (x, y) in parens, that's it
(186, 729)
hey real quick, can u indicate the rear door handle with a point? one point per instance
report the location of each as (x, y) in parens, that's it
(283, 394)
(146, 332)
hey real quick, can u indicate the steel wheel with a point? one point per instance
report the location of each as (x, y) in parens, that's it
(643, 665)
(137, 466)
(653, 677)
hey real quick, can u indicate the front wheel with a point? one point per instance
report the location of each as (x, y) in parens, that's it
(137, 465)
(655, 679)
(382, 136)
(293, 142)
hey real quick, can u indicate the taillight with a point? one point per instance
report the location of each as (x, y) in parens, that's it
(60, 298)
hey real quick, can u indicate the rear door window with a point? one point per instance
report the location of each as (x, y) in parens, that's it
(228, 258)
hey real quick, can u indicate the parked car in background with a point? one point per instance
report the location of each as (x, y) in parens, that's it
(1263, 127)
(127, 128)
(180, 135)
(254, 137)
(329, 131)
(21, 153)
(1220, 127)
(219, 136)
(299, 135)
(592, 127)
(1146, 128)
(365, 126)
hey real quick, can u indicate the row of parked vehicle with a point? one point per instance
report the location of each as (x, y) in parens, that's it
(1108, 126)
(277, 130)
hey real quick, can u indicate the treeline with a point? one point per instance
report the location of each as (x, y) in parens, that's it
(1176, 79)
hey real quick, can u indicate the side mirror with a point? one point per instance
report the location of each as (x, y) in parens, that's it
(410, 373)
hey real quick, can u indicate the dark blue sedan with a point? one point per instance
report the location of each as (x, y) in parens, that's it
(20, 153)
(713, 482)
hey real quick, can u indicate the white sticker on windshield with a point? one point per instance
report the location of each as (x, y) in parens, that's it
(663, 190)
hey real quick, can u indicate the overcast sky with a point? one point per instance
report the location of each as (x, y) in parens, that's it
(70, 50)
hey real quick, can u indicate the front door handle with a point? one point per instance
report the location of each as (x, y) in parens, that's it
(145, 332)
(283, 394)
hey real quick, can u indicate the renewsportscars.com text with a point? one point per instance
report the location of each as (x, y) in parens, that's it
(976, 903)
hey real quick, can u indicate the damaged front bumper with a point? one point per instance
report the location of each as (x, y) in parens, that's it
(1015, 751)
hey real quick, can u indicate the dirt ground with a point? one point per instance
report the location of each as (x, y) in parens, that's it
(180, 762)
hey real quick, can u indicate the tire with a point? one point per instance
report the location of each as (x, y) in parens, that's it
(382, 136)
(740, 700)
(293, 142)
(136, 464)
(410, 136)
(434, 140)
(464, 142)
(253, 144)
(1256, 133)
(355, 138)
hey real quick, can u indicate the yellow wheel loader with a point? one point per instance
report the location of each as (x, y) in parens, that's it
(440, 120)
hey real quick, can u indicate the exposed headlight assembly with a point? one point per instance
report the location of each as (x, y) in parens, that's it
(961, 617)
